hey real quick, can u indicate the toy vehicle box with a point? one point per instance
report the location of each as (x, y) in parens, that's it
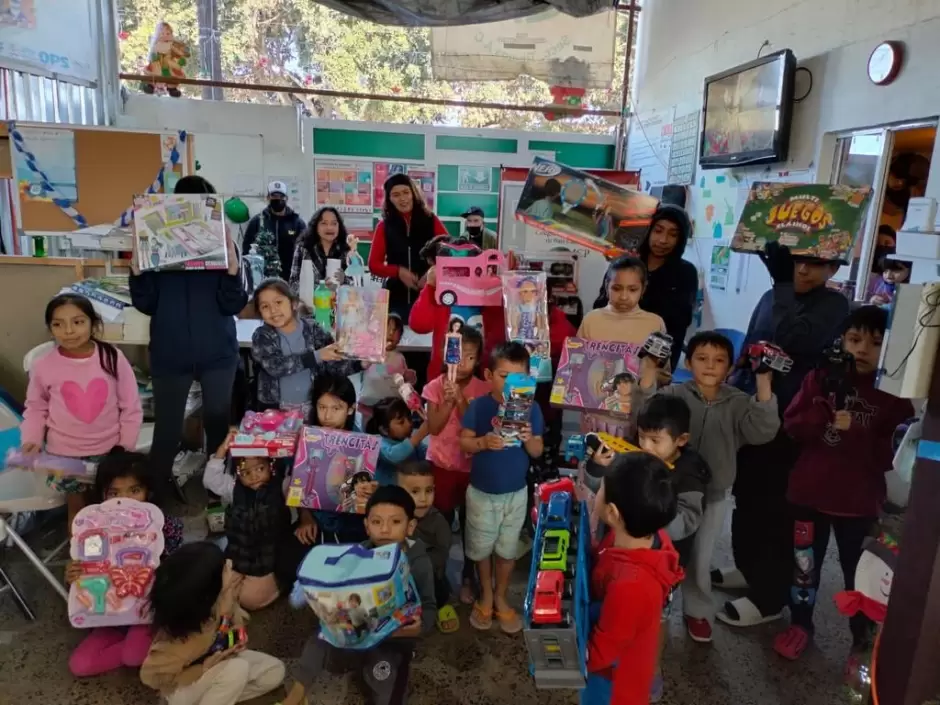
(470, 281)
(516, 409)
(332, 470)
(596, 376)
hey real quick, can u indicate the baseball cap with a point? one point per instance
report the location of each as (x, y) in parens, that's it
(277, 187)
(473, 210)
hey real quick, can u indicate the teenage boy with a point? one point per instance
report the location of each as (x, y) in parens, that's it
(497, 498)
(803, 316)
(284, 224)
(635, 570)
(476, 230)
(389, 519)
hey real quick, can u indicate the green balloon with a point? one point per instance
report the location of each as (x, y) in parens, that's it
(236, 211)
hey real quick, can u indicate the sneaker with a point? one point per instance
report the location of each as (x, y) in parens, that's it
(656, 690)
(699, 630)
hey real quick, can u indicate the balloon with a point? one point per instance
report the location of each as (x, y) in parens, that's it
(236, 211)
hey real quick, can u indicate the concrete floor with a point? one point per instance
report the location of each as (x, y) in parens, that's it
(466, 668)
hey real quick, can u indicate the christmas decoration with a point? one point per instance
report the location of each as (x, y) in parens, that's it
(123, 35)
(168, 57)
(236, 211)
(267, 248)
(565, 97)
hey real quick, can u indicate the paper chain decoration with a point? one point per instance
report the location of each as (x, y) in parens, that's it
(67, 206)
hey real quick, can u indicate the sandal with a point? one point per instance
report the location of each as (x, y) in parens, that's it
(509, 621)
(447, 620)
(744, 613)
(466, 593)
(792, 643)
(481, 618)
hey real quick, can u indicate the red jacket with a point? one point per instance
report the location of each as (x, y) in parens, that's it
(377, 265)
(843, 472)
(633, 585)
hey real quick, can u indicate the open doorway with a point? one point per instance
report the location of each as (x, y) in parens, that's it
(895, 162)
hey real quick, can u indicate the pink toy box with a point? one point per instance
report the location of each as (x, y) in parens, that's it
(118, 543)
(52, 465)
(469, 281)
(333, 470)
(596, 376)
(362, 323)
(271, 434)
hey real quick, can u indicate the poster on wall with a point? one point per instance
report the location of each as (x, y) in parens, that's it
(345, 185)
(477, 179)
(380, 172)
(715, 204)
(648, 145)
(719, 268)
(684, 150)
(293, 188)
(54, 38)
(424, 180)
(813, 220)
(54, 152)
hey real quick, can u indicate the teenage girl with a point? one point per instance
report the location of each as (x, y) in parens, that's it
(391, 419)
(290, 349)
(126, 476)
(193, 592)
(82, 396)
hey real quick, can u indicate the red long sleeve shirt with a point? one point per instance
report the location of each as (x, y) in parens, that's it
(377, 264)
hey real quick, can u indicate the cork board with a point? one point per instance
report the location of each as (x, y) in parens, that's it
(111, 167)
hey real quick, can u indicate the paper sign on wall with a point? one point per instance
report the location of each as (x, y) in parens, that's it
(347, 186)
(54, 152)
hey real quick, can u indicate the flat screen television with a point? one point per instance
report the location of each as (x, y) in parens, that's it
(748, 110)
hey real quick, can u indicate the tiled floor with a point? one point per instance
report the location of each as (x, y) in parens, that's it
(467, 668)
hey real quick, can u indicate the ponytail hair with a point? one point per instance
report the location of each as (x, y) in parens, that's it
(107, 353)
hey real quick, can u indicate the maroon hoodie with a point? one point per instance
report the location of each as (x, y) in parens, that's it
(843, 472)
(633, 585)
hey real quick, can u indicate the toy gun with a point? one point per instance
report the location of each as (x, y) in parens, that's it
(657, 346)
(764, 356)
(839, 366)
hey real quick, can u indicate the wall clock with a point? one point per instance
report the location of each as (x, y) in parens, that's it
(885, 61)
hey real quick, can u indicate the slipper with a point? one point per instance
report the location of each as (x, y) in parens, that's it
(792, 643)
(447, 620)
(509, 621)
(480, 618)
(744, 613)
(466, 594)
(729, 579)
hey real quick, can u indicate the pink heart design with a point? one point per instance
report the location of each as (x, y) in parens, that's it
(85, 404)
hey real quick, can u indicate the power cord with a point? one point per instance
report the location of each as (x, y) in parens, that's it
(809, 89)
(933, 302)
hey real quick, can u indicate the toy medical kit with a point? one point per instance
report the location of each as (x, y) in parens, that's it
(596, 376)
(329, 467)
(272, 433)
(118, 544)
(407, 392)
(362, 323)
(764, 356)
(55, 465)
(516, 409)
(185, 231)
(360, 595)
(469, 281)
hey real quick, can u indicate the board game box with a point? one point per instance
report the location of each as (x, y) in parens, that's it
(271, 434)
(180, 231)
(333, 470)
(362, 323)
(596, 376)
(813, 220)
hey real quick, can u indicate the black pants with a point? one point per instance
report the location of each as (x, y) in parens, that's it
(761, 525)
(810, 541)
(169, 398)
(469, 571)
(291, 552)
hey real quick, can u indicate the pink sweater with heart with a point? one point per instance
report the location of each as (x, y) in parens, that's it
(78, 408)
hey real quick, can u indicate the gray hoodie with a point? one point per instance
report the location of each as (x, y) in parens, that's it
(720, 427)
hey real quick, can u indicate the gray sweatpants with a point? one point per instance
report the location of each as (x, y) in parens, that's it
(697, 599)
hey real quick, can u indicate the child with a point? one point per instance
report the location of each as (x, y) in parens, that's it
(82, 396)
(377, 383)
(256, 521)
(634, 572)
(447, 403)
(838, 481)
(543, 208)
(193, 591)
(893, 272)
(417, 477)
(390, 519)
(722, 420)
(290, 349)
(391, 419)
(128, 476)
(497, 497)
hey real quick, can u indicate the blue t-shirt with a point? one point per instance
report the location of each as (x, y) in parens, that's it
(498, 471)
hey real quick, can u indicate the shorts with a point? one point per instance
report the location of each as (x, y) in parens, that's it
(494, 523)
(450, 489)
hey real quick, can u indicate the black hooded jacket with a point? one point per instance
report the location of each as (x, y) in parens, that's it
(287, 228)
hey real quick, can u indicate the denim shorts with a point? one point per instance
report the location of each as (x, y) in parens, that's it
(494, 523)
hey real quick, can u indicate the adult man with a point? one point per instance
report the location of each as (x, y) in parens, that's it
(283, 223)
(475, 229)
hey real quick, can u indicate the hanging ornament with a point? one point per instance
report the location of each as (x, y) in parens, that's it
(566, 97)
(123, 35)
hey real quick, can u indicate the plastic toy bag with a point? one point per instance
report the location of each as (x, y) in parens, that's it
(362, 323)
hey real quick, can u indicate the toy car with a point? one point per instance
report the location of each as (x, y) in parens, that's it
(574, 448)
(546, 604)
(559, 511)
(658, 345)
(545, 490)
(764, 356)
(470, 280)
(554, 550)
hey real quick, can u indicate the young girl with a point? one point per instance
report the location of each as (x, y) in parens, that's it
(256, 521)
(127, 476)
(391, 419)
(377, 381)
(193, 592)
(290, 349)
(82, 396)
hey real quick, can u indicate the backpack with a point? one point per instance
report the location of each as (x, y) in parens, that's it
(360, 595)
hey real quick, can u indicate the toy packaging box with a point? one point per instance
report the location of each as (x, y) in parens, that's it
(472, 280)
(333, 470)
(516, 409)
(596, 376)
(271, 434)
(813, 220)
(118, 544)
(55, 465)
(525, 304)
(362, 323)
(562, 271)
(185, 231)
(360, 595)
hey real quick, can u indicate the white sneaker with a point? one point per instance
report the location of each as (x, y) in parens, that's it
(187, 464)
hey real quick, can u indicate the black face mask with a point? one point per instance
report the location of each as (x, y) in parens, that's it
(474, 230)
(278, 204)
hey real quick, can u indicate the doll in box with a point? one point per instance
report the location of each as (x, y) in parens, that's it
(620, 399)
(362, 323)
(357, 490)
(526, 307)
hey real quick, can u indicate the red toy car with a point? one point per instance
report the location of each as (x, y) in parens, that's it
(546, 606)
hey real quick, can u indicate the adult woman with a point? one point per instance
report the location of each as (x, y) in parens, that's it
(192, 338)
(325, 238)
(406, 227)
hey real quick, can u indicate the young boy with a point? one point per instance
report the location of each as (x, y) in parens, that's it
(389, 518)
(497, 497)
(839, 478)
(543, 208)
(634, 572)
(722, 419)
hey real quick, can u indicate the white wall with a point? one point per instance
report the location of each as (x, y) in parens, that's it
(682, 42)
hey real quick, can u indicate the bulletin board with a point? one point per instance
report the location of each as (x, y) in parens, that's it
(111, 167)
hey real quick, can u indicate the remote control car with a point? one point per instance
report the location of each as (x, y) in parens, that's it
(555, 550)
(559, 511)
(764, 356)
(546, 607)
(658, 345)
